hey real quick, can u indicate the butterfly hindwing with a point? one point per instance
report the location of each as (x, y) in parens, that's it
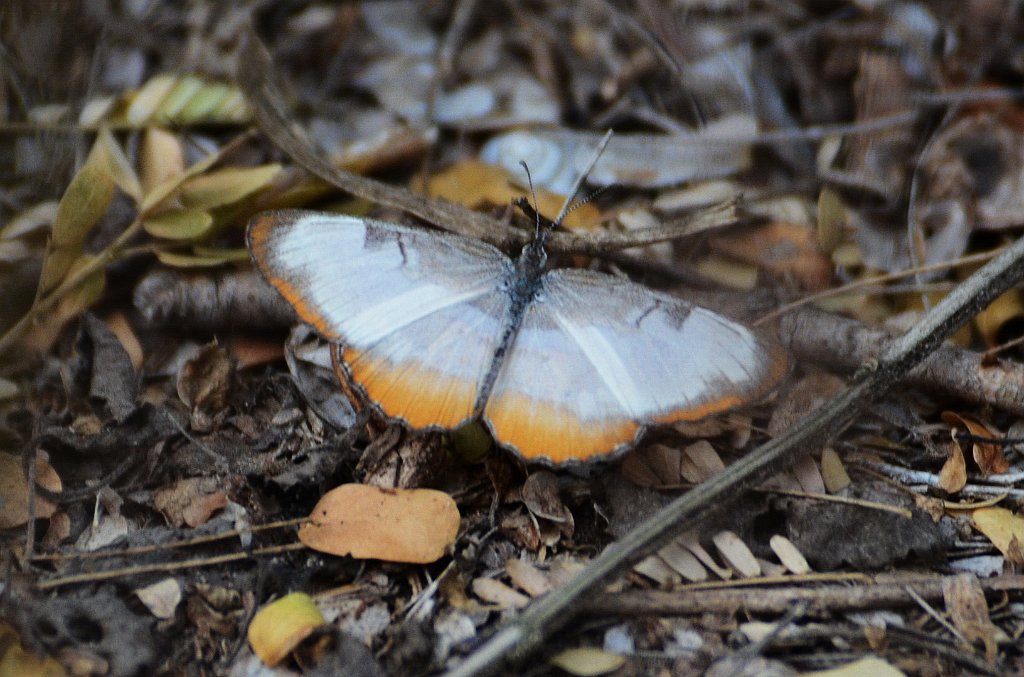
(598, 358)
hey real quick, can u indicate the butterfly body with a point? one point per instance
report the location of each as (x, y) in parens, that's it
(561, 365)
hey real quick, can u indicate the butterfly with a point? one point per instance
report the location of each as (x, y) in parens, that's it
(564, 365)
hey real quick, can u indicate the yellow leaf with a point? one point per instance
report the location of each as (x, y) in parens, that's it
(184, 89)
(396, 525)
(109, 155)
(16, 662)
(181, 224)
(1001, 526)
(202, 258)
(226, 186)
(83, 204)
(203, 103)
(588, 661)
(161, 158)
(832, 220)
(44, 333)
(476, 183)
(869, 666)
(280, 626)
(149, 99)
(165, 189)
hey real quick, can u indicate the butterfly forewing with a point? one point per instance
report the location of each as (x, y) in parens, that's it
(598, 358)
(419, 314)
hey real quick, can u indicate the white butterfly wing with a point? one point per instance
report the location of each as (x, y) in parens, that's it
(597, 359)
(420, 314)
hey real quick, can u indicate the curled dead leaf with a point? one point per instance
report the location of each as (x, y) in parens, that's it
(988, 456)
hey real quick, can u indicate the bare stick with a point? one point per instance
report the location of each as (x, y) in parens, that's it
(524, 635)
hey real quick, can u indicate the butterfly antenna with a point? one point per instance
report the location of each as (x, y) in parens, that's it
(536, 205)
(593, 194)
(568, 206)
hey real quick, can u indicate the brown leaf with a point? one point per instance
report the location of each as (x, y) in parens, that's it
(989, 457)
(190, 501)
(786, 250)
(14, 490)
(396, 525)
(1001, 526)
(965, 602)
(204, 382)
(527, 577)
(953, 476)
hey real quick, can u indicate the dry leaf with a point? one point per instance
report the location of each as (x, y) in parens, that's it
(1000, 526)
(14, 490)
(656, 569)
(989, 457)
(653, 465)
(785, 250)
(953, 475)
(161, 158)
(396, 525)
(191, 501)
(869, 666)
(737, 554)
(807, 474)
(204, 382)
(118, 324)
(280, 626)
(690, 542)
(803, 398)
(495, 592)
(700, 462)
(162, 597)
(684, 562)
(965, 602)
(527, 577)
(588, 661)
(223, 187)
(15, 661)
(789, 555)
(833, 472)
(476, 184)
(832, 220)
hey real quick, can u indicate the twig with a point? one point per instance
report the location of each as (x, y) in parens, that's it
(840, 343)
(266, 102)
(157, 547)
(935, 615)
(833, 498)
(832, 598)
(876, 280)
(165, 566)
(526, 634)
(89, 268)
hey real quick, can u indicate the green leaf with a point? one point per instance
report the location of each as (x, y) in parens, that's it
(84, 203)
(107, 153)
(226, 186)
(176, 260)
(181, 224)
